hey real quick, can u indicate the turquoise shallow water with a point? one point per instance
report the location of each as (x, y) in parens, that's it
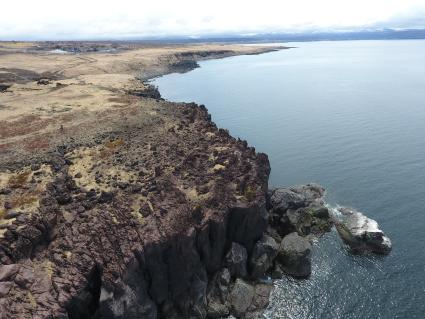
(349, 115)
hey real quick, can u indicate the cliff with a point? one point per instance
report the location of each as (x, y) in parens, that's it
(115, 203)
(132, 227)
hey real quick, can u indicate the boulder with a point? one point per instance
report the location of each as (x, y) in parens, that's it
(301, 209)
(260, 301)
(295, 255)
(236, 260)
(241, 297)
(361, 233)
(217, 310)
(263, 255)
(283, 198)
(43, 82)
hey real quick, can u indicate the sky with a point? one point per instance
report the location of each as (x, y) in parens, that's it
(122, 19)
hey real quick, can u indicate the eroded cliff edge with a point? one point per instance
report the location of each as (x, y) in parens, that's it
(124, 210)
(136, 222)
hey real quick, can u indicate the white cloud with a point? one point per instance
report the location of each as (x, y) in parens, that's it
(128, 18)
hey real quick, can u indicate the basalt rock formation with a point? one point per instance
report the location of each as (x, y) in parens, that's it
(361, 233)
(124, 205)
(132, 227)
(115, 203)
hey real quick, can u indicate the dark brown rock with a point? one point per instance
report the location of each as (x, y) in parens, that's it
(263, 255)
(236, 261)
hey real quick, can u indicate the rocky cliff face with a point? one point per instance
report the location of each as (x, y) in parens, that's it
(134, 226)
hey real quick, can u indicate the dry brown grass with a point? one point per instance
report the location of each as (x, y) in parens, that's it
(19, 180)
(22, 200)
(112, 145)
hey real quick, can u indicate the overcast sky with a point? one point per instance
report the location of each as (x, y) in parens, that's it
(73, 19)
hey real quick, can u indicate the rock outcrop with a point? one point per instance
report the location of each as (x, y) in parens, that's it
(135, 227)
(145, 210)
(147, 91)
(263, 255)
(118, 204)
(361, 233)
(301, 209)
(4, 87)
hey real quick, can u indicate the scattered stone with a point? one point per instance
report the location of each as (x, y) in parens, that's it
(105, 197)
(145, 210)
(7, 205)
(91, 193)
(294, 255)
(4, 87)
(135, 188)
(43, 82)
(35, 167)
(5, 191)
(63, 198)
(80, 209)
(21, 218)
(11, 215)
(360, 233)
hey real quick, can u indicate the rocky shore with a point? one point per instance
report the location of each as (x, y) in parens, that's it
(119, 204)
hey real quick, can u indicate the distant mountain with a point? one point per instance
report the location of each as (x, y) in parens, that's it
(384, 34)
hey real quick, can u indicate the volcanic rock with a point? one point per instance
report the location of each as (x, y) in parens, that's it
(263, 255)
(241, 297)
(360, 233)
(236, 260)
(294, 255)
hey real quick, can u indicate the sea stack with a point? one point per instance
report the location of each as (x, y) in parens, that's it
(361, 233)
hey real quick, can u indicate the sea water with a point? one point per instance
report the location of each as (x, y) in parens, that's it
(349, 115)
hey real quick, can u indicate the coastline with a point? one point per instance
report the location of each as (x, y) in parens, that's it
(120, 210)
(158, 214)
(61, 93)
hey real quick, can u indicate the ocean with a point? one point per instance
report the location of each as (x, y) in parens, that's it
(349, 115)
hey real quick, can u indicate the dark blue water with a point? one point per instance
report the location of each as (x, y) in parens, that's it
(351, 116)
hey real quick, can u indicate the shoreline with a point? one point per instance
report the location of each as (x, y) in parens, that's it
(86, 221)
(111, 81)
(159, 214)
